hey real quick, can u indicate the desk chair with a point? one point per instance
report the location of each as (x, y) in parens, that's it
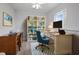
(19, 40)
(44, 41)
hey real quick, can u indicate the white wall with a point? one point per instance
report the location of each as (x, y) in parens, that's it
(21, 16)
(71, 21)
(6, 8)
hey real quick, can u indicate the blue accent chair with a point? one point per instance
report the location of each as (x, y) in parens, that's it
(44, 41)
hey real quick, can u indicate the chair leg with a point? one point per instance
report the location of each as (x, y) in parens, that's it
(41, 45)
(37, 46)
(46, 46)
(19, 48)
(42, 50)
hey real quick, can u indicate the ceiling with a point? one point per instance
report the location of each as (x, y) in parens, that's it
(45, 7)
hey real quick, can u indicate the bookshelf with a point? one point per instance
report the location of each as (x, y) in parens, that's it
(35, 23)
(43, 24)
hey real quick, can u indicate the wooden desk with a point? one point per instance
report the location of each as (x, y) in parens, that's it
(62, 43)
(8, 44)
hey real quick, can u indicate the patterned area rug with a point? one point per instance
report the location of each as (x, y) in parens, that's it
(25, 49)
(38, 50)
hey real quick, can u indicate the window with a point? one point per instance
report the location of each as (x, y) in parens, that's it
(59, 16)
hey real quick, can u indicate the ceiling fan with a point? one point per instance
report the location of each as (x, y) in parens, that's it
(37, 5)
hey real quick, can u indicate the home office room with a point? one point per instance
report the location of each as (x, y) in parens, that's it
(39, 28)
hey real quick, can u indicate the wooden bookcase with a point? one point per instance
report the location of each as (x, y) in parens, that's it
(35, 23)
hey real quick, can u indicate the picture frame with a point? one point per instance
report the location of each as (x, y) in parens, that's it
(7, 19)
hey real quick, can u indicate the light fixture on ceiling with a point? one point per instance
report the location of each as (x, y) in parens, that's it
(36, 6)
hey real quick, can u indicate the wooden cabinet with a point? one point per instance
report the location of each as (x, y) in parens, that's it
(62, 43)
(9, 44)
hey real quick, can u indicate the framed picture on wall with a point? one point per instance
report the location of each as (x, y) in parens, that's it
(7, 19)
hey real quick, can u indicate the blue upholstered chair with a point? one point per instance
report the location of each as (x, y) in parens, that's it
(44, 41)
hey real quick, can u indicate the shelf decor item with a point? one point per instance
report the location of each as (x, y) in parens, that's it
(7, 19)
(32, 27)
(43, 23)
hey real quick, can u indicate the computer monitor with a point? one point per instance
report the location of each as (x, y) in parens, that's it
(57, 24)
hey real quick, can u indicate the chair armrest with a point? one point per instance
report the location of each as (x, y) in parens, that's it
(45, 38)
